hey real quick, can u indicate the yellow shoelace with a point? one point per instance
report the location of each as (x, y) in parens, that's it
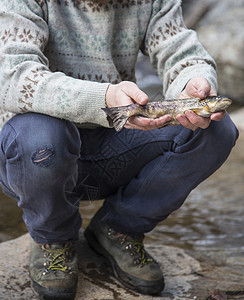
(143, 260)
(57, 258)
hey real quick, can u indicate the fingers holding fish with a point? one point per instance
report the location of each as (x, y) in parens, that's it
(124, 93)
(191, 113)
(139, 122)
(218, 116)
(183, 120)
(197, 87)
(193, 121)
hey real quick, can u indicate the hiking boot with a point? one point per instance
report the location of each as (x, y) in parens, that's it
(54, 270)
(130, 262)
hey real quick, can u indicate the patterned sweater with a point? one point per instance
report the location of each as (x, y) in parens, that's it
(57, 57)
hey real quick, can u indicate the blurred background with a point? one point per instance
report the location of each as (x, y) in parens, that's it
(219, 24)
(211, 222)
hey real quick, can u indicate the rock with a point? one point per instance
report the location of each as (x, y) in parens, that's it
(221, 32)
(238, 118)
(194, 10)
(95, 281)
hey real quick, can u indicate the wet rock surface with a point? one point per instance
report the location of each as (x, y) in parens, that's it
(185, 276)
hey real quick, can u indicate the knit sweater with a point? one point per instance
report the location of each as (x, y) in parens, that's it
(57, 57)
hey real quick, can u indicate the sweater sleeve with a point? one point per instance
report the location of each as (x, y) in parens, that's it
(175, 51)
(27, 84)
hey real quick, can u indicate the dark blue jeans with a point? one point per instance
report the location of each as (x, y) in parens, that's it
(49, 165)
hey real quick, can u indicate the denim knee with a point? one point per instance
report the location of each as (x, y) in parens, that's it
(38, 145)
(40, 134)
(213, 144)
(220, 139)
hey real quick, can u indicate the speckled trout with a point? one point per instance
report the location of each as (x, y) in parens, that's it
(202, 107)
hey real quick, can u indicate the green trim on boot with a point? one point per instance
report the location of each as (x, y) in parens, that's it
(54, 270)
(131, 263)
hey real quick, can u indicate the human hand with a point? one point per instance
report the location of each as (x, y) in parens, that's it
(197, 87)
(126, 93)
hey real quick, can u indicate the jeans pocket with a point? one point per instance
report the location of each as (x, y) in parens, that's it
(7, 191)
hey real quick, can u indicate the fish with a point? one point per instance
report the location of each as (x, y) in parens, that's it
(119, 115)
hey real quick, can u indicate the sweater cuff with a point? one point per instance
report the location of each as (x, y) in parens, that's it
(90, 102)
(207, 72)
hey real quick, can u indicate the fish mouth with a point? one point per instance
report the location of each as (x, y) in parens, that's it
(218, 104)
(223, 102)
(226, 102)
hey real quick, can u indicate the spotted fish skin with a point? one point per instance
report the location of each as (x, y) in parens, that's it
(118, 116)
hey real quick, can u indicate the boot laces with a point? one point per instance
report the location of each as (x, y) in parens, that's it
(135, 246)
(143, 258)
(56, 258)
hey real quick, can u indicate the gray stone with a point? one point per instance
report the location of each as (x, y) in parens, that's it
(195, 10)
(221, 32)
(238, 118)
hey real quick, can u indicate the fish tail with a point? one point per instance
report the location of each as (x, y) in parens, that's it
(118, 115)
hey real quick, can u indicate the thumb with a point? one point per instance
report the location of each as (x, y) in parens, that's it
(198, 87)
(133, 91)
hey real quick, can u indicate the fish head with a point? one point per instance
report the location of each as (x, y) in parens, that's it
(216, 103)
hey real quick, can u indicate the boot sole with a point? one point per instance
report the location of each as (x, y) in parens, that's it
(133, 283)
(53, 294)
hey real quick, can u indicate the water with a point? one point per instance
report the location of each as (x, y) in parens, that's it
(11, 224)
(212, 217)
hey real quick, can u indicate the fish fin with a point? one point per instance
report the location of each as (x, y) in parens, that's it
(201, 112)
(118, 115)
